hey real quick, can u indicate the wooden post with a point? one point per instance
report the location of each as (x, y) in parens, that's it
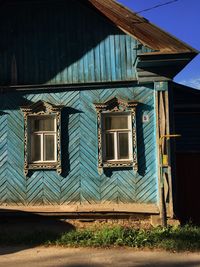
(164, 170)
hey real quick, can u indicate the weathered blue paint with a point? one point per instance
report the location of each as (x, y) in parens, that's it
(161, 86)
(53, 44)
(80, 181)
(62, 42)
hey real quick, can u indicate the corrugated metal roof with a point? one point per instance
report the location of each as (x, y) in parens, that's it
(147, 33)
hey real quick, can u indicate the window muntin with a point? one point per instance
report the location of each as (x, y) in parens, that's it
(42, 138)
(117, 136)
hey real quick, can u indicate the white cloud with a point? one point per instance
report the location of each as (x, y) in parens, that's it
(195, 83)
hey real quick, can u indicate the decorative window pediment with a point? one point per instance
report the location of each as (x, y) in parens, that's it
(116, 104)
(41, 107)
(117, 141)
(42, 134)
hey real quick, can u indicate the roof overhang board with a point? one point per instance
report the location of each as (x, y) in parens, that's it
(160, 67)
(145, 76)
(144, 31)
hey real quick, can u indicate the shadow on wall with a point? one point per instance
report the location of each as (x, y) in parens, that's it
(16, 101)
(141, 145)
(40, 40)
(66, 112)
(3, 113)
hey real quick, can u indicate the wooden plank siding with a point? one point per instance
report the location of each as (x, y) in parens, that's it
(187, 118)
(80, 182)
(51, 44)
(188, 125)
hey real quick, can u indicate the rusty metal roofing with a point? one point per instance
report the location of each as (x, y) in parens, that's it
(144, 31)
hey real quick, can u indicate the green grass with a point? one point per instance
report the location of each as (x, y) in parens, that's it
(186, 238)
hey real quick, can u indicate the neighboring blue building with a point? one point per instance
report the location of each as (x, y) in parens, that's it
(84, 101)
(186, 102)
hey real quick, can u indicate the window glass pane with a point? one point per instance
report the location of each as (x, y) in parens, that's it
(49, 147)
(36, 148)
(123, 143)
(116, 122)
(110, 146)
(43, 123)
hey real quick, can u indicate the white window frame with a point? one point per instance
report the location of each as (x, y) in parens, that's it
(116, 133)
(42, 108)
(42, 135)
(113, 106)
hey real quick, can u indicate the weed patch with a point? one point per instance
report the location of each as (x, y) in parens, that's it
(186, 238)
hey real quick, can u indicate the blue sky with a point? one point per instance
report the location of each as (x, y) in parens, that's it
(182, 19)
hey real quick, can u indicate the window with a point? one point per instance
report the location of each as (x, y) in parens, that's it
(117, 144)
(117, 136)
(42, 137)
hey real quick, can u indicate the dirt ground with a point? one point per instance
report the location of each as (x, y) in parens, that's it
(79, 257)
(19, 256)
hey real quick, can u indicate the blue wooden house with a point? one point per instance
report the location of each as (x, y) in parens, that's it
(85, 108)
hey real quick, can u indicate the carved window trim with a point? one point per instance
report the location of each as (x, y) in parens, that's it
(116, 105)
(42, 108)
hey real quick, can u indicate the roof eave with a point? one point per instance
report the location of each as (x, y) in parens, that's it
(140, 28)
(163, 65)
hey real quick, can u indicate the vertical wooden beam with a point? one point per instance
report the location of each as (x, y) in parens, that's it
(170, 209)
(162, 129)
(157, 144)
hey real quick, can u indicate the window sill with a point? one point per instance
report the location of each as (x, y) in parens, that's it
(117, 164)
(43, 166)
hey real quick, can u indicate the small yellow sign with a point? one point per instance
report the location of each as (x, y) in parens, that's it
(165, 160)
